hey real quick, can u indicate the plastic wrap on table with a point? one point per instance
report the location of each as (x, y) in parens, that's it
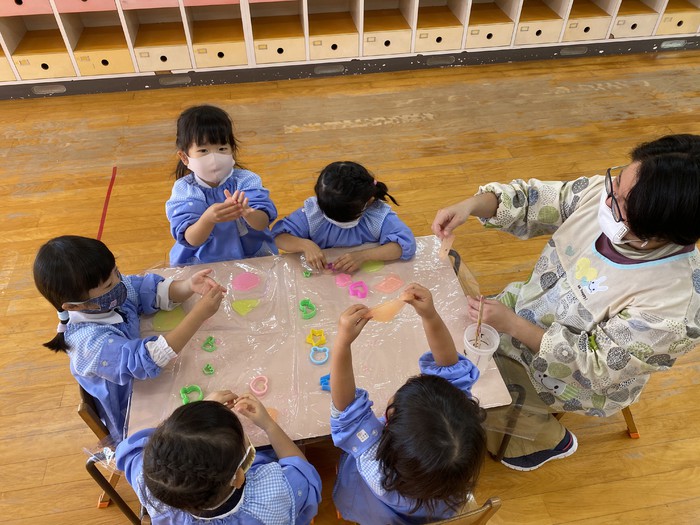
(268, 337)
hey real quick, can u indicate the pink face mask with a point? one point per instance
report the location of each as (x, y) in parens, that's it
(212, 167)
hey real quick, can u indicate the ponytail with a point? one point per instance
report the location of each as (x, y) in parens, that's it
(180, 170)
(58, 343)
(381, 192)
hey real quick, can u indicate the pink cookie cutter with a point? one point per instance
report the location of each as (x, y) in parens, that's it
(259, 380)
(358, 289)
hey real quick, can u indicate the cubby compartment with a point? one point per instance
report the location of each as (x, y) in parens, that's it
(158, 38)
(6, 73)
(84, 6)
(680, 17)
(36, 47)
(589, 20)
(491, 24)
(191, 3)
(147, 4)
(98, 43)
(278, 31)
(540, 22)
(636, 19)
(440, 25)
(25, 7)
(217, 35)
(387, 27)
(333, 29)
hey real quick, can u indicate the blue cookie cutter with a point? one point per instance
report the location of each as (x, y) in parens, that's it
(319, 350)
(325, 382)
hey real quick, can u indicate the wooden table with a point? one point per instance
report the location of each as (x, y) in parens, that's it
(270, 340)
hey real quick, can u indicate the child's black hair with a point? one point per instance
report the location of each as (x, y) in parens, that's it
(343, 190)
(202, 124)
(433, 444)
(66, 268)
(191, 459)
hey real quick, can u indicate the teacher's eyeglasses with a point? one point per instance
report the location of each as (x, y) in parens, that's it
(614, 205)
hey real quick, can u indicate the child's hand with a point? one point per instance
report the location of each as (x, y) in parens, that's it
(231, 209)
(250, 406)
(209, 304)
(240, 200)
(201, 283)
(349, 262)
(225, 397)
(420, 298)
(351, 323)
(314, 256)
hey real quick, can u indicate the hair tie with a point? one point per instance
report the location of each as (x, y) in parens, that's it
(63, 315)
(61, 328)
(375, 182)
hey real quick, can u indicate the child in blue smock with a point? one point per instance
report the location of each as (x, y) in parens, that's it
(99, 327)
(419, 463)
(349, 209)
(217, 211)
(198, 466)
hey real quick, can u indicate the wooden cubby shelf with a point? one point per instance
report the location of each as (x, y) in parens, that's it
(91, 40)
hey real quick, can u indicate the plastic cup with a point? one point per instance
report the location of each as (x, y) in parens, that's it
(481, 355)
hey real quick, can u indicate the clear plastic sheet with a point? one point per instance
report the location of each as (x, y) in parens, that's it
(270, 340)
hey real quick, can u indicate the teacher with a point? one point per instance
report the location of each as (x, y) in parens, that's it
(614, 296)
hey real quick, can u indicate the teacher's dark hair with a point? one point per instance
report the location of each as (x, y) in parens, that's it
(664, 203)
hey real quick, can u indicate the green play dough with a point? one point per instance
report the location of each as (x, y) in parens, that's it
(244, 306)
(164, 321)
(372, 266)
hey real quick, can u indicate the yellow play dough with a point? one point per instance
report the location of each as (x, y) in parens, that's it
(164, 320)
(244, 306)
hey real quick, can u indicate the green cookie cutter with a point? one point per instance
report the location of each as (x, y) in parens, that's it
(185, 392)
(208, 369)
(308, 309)
(209, 344)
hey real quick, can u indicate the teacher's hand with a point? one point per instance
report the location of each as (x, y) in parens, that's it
(496, 314)
(447, 219)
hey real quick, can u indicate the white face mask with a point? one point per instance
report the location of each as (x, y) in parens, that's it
(212, 167)
(344, 225)
(614, 231)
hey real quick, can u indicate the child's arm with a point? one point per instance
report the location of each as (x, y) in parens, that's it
(182, 289)
(350, 325)
(439, 339)
(292, 244)
(351, 261)
(250, 406)
(207, 306)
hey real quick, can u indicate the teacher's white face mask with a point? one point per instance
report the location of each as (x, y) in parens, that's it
(614, 231)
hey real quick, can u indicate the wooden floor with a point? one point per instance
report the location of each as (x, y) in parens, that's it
(433, 136)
